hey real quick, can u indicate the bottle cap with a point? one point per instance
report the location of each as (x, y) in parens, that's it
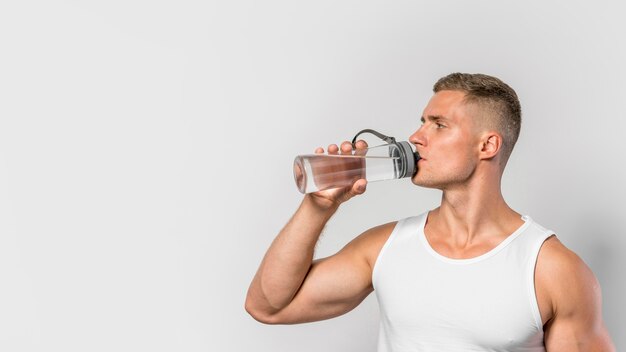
(409, 157)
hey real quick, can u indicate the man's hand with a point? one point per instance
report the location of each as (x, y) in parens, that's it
(332, 198)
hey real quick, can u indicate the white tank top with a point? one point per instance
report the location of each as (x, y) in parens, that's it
(429, 302)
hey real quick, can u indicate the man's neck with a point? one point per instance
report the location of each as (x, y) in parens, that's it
(473, 214)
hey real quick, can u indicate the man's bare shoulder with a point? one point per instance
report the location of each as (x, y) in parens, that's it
(564, 278)
(556, 260)
(574, 301)
(560, 269)
(368, 244)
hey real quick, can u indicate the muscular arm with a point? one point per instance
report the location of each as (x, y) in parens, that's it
(576, 300)
(291, 288)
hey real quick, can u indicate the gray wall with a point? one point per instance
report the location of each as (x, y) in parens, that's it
(146, 151)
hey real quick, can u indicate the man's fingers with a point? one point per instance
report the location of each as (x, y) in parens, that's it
(361, 147)
(359, 186)
(361, 144)
(346, 148)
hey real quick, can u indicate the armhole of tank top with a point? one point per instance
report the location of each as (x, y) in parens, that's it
(396, 229)
(532, 290)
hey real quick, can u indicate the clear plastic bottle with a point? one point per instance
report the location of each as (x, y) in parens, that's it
(318, 172)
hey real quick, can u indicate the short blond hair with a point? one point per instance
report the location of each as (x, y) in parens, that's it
(493, 96)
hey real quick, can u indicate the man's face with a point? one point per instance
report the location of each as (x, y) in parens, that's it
(447, 141)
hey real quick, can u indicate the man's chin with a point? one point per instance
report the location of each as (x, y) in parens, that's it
(425, 183)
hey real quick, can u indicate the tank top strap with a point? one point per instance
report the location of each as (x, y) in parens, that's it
(533, 238)
(406, 230)
(528, 247)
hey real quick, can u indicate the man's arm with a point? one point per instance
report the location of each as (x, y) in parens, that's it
(576, 299)
(289, 287)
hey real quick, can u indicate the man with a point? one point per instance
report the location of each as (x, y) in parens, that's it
(470, 275)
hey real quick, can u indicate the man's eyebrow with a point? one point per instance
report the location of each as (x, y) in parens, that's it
(433, 118)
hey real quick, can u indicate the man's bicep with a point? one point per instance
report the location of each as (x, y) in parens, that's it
(337, 284)
(333, 286)
(578, 332)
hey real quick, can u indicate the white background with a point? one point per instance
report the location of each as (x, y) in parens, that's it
(146, 151)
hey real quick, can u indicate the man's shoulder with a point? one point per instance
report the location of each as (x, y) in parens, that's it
(381, 233)
(376, 235)
(369, 243)
(555, 257)
(573, 305)
(562, 272)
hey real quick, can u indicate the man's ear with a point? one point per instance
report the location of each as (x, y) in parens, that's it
(491, 143)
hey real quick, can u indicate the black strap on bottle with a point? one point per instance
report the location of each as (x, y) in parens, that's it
(405, 159)
(387, 139)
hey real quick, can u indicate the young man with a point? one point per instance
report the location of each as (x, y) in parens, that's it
(472, 274)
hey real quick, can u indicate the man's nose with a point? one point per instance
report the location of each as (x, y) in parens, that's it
(418, 137)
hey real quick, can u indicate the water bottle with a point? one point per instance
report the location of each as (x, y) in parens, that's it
(393, 160)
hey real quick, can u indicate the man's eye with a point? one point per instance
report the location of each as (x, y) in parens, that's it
(440, 125)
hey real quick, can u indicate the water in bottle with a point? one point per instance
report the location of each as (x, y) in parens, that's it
(317, 172)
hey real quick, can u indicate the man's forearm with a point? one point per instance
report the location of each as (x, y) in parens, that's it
(288, 259)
